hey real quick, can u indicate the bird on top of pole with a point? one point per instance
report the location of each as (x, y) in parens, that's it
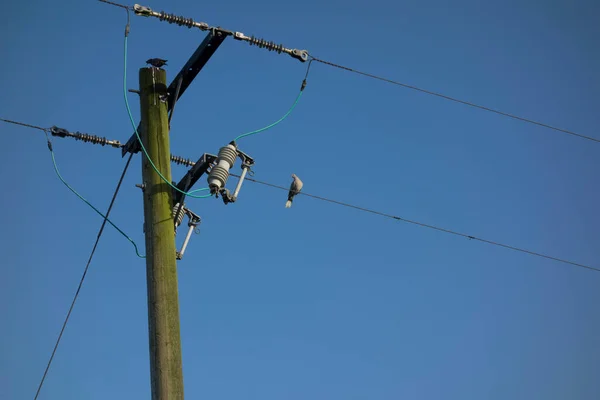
(295, 188)
(156, 62)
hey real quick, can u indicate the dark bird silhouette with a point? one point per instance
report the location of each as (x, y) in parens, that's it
(156, 62)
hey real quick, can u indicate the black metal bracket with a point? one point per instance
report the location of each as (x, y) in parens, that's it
(247, 161)
(200, 168)
(184, 78)
(193, 222)
(192, 176)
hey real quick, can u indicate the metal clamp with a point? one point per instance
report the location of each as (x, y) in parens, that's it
(142, 10)
(247, 163)
(193, 222)
(301, 55)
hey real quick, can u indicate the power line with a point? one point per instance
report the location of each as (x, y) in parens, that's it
(137, 252)
(279, 120)
(24, 124)
(261, 43)
(116, 4)
(181, 160)
(449, 231)
(302, 87)
(88, 139)
(100, 231)
(467, 103)
(301, 55)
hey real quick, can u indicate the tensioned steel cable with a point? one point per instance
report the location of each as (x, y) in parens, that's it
(467, 103)
(429, 226)
(183, 21)
(187, 162)
(87, 266)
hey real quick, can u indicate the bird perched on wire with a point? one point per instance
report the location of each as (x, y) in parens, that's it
(295, 188)
(156, 62)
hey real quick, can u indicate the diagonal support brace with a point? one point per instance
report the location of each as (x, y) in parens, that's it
(183, 79)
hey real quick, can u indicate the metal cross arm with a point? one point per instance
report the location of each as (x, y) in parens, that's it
(184, 78)
(191, 177)
(196, 62)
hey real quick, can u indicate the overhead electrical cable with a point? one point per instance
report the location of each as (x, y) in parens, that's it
(286, 114)
(467, 103)
(85, 271)
(429, 226)
(145, 11)
(60, 177)
(190, 163)
(274, 123)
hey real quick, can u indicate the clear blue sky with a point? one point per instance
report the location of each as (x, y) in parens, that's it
(318, 301)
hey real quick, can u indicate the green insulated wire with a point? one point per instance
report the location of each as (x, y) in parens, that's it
(88, 203)
(142, 144)
(274, 123)
(284, 115)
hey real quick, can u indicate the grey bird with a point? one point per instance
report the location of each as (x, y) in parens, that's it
(295, 188)
(156, 62)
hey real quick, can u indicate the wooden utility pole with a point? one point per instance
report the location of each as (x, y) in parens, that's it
(166, 373)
